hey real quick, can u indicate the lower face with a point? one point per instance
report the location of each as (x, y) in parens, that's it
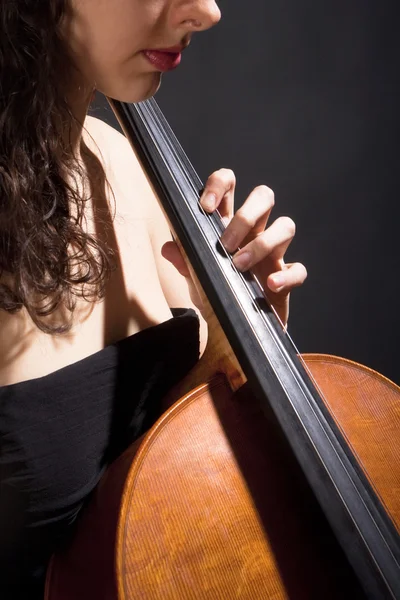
(107, 40)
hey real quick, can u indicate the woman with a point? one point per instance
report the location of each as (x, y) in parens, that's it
(98, 313)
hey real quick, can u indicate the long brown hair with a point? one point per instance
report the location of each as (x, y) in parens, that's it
(47, 260)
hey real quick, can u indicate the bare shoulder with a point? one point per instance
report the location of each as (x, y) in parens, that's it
(122, 167)
(129, 181)
(110, 146)
(103, 132)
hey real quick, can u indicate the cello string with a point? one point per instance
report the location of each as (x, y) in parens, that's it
(216, 221)
(179, 163)
(176, 150)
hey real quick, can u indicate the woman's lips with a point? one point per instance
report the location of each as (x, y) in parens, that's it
(163, 60)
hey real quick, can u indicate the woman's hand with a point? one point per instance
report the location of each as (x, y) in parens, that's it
(262, 249)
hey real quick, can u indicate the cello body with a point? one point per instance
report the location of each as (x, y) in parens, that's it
(211, 504)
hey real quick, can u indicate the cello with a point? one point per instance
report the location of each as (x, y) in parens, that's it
(269, 475)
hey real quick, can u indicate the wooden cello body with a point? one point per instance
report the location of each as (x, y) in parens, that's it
(213, 502)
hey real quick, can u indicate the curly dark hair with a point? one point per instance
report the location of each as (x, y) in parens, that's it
(47, 260)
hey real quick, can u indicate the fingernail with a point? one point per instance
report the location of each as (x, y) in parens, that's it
(209, 201)
(242, 261)
(229, 240)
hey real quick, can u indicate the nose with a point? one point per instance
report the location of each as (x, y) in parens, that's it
(198, 15)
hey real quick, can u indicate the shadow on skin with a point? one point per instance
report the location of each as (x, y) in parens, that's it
(18, 334)
(117, 300)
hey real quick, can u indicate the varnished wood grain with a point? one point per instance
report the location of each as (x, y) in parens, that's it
(214, 508)
(366, 406)
(211, 504)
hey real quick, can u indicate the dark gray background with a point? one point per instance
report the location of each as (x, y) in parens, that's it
(304, 96)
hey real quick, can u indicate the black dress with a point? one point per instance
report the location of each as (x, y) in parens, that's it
(58, 433)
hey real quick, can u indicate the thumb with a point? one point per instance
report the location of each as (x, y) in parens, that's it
(171, 252)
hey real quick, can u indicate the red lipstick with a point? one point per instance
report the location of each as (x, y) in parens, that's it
(164, 59)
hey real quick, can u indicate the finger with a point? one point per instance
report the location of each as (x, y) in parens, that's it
(219, 193)
(272, 243)
(250, 219)
(293, 275)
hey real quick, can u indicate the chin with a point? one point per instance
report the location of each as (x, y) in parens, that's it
(142, 90)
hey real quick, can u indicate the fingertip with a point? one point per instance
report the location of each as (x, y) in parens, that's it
(276, 282)
(166, 249)
(209, 201)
